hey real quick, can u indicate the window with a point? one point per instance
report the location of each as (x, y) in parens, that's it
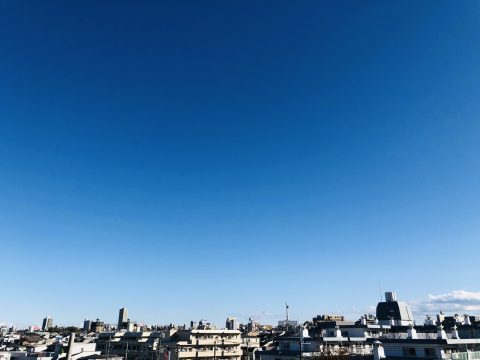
(409, 352)
(429, 352)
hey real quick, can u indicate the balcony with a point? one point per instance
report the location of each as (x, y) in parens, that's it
(422, 336)
(218, 342)
(193, 353)
(470, 355)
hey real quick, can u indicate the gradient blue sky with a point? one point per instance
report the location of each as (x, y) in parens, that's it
(203, 159)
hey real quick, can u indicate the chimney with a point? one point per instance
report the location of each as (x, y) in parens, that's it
(412, 333)
(378, 351)
(338, 332)
(440, 333)
(70, 346)
(455, 333)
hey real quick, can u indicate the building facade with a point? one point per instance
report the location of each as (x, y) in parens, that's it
(208, 344)
(122, 319)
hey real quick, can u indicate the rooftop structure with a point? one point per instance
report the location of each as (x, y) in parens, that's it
(394, 312)
(231, 324)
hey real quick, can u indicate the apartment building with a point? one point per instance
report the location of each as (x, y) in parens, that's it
(132, 345)
(207, 344)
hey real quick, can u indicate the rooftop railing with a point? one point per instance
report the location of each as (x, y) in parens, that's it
(422, 336)
(470, 355)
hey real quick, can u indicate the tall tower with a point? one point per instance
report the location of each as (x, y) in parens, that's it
(232, 324)
(122, 318)
(47, 323)
(87, 325)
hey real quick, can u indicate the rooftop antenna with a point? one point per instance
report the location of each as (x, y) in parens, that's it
(286, 310)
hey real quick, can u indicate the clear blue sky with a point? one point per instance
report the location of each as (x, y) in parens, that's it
(193, 159)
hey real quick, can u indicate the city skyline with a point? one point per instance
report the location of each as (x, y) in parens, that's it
(456, 302)
(211, 159)
(391, 333)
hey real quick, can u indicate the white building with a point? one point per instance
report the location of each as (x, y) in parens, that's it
(207, 344)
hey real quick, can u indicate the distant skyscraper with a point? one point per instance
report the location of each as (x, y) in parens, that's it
(47, 323)
(98, 326)
(232, 324)
(122, 318)
(87, 325)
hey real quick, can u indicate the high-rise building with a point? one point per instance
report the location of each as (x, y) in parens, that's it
(232, 324)
(87, 325)
(97, 326)
(47, 323)
(122, 318)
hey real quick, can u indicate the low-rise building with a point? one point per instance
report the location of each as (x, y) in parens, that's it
(140, 344)
(207, 344)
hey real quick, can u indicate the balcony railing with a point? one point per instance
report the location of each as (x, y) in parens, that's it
(470, 355)
(218, 342)
(422, 336)
(207, 354)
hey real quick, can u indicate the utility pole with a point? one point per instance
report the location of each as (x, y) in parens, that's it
(215, 350)
(126, 351)
(301, 342)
